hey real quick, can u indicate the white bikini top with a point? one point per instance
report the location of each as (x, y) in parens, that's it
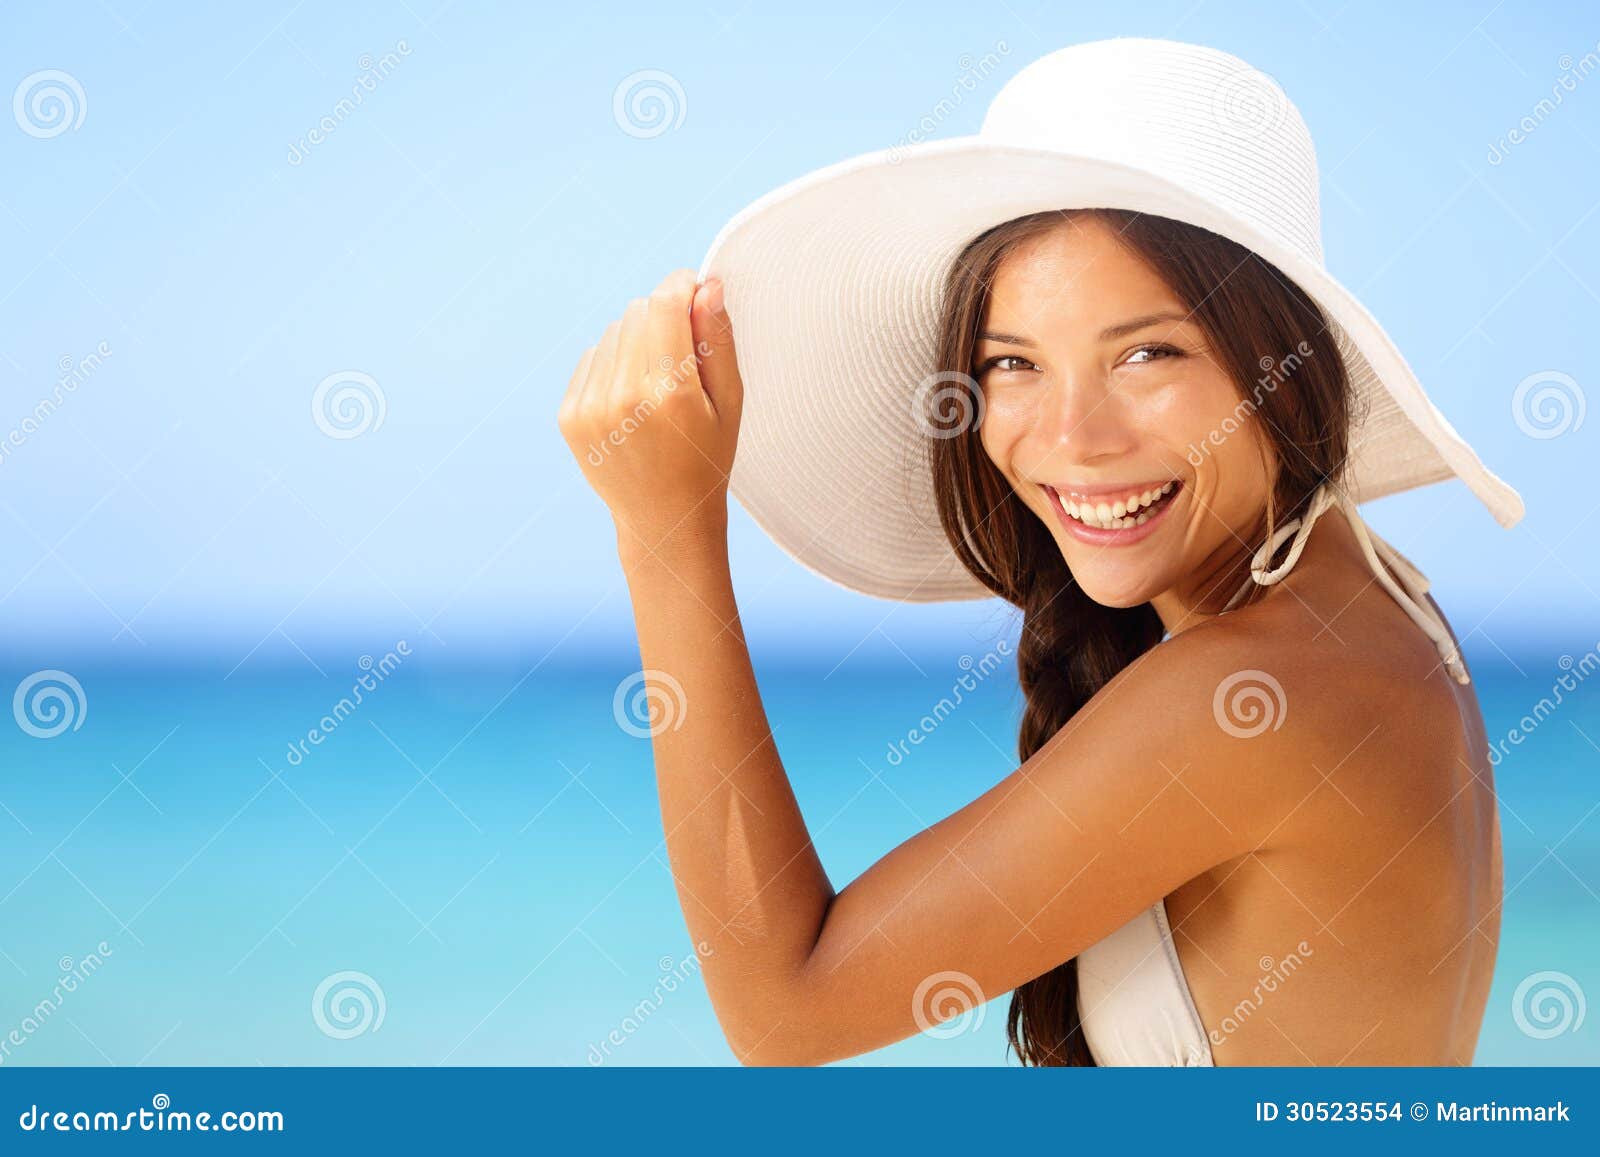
(1133, 1000)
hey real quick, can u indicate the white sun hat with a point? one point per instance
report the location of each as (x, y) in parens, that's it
(835, 281)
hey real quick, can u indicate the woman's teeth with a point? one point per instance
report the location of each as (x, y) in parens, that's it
(1123, 514)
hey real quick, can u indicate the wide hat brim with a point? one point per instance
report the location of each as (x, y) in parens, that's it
(834, 283)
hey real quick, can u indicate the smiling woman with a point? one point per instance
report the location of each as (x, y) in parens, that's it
(1103, 344)
(1254, 819)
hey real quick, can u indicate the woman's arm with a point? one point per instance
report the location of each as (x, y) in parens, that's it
(1142, 792)
(748, 877)
(652, 414)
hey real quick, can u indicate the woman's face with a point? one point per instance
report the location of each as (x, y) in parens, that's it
(1105, 410)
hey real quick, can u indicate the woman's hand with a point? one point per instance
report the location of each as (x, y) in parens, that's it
(652, 415)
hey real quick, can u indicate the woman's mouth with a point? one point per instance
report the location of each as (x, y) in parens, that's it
(1112, 518)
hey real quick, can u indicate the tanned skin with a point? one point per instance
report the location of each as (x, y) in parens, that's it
(1363, 826)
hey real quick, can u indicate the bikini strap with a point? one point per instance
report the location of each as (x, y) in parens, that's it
(1410, 592)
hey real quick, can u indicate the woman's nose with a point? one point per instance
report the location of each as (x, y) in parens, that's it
(1084, 417)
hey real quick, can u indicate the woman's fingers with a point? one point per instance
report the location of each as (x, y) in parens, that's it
(572, 400)
(652, 409)
(671, 340)
(581, 404)
(601, 370)
(713, 343)
(632, 352)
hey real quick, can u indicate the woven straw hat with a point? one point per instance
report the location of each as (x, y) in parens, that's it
(834, 284)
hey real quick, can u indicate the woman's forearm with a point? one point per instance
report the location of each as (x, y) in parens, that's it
(751, 885)
(662, 392)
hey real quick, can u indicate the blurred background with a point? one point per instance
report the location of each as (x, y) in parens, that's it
(288, 299)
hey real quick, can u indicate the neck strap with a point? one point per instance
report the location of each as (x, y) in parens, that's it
(1409, 592)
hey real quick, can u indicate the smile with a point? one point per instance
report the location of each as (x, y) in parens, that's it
(1111, 517)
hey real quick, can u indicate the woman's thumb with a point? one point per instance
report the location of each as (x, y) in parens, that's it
(713, 347)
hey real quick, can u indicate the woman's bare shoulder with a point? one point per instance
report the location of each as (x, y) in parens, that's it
(1266, 686)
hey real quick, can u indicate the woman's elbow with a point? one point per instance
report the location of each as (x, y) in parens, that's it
(780, 1050)
(778, 1026)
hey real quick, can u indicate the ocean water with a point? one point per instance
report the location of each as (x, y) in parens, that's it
(469, 866)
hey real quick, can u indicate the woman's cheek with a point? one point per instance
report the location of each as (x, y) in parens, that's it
(1010, 412)
(1004, 422)
(1199, 410)
(1224, 444)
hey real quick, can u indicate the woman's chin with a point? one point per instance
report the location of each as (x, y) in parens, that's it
(1109, 591)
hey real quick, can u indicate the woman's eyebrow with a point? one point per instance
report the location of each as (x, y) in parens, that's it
(1110, 333)
(1003, 338)
(1133, 325)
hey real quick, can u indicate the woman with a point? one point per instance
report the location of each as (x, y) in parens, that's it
(1254, 821)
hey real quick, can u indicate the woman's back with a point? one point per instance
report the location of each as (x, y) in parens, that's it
(1380, 891)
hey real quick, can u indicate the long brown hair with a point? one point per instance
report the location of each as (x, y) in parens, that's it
(1071, 646)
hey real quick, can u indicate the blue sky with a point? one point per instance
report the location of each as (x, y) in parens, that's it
(466, 230)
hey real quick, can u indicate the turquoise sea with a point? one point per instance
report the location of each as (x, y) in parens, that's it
(469, 866)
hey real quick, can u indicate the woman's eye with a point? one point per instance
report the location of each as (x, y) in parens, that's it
(1006, 363)
(1154, 353)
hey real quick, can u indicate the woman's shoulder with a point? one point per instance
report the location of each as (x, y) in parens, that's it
(1275, 643)
(1236, 716)
(1279, 685)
